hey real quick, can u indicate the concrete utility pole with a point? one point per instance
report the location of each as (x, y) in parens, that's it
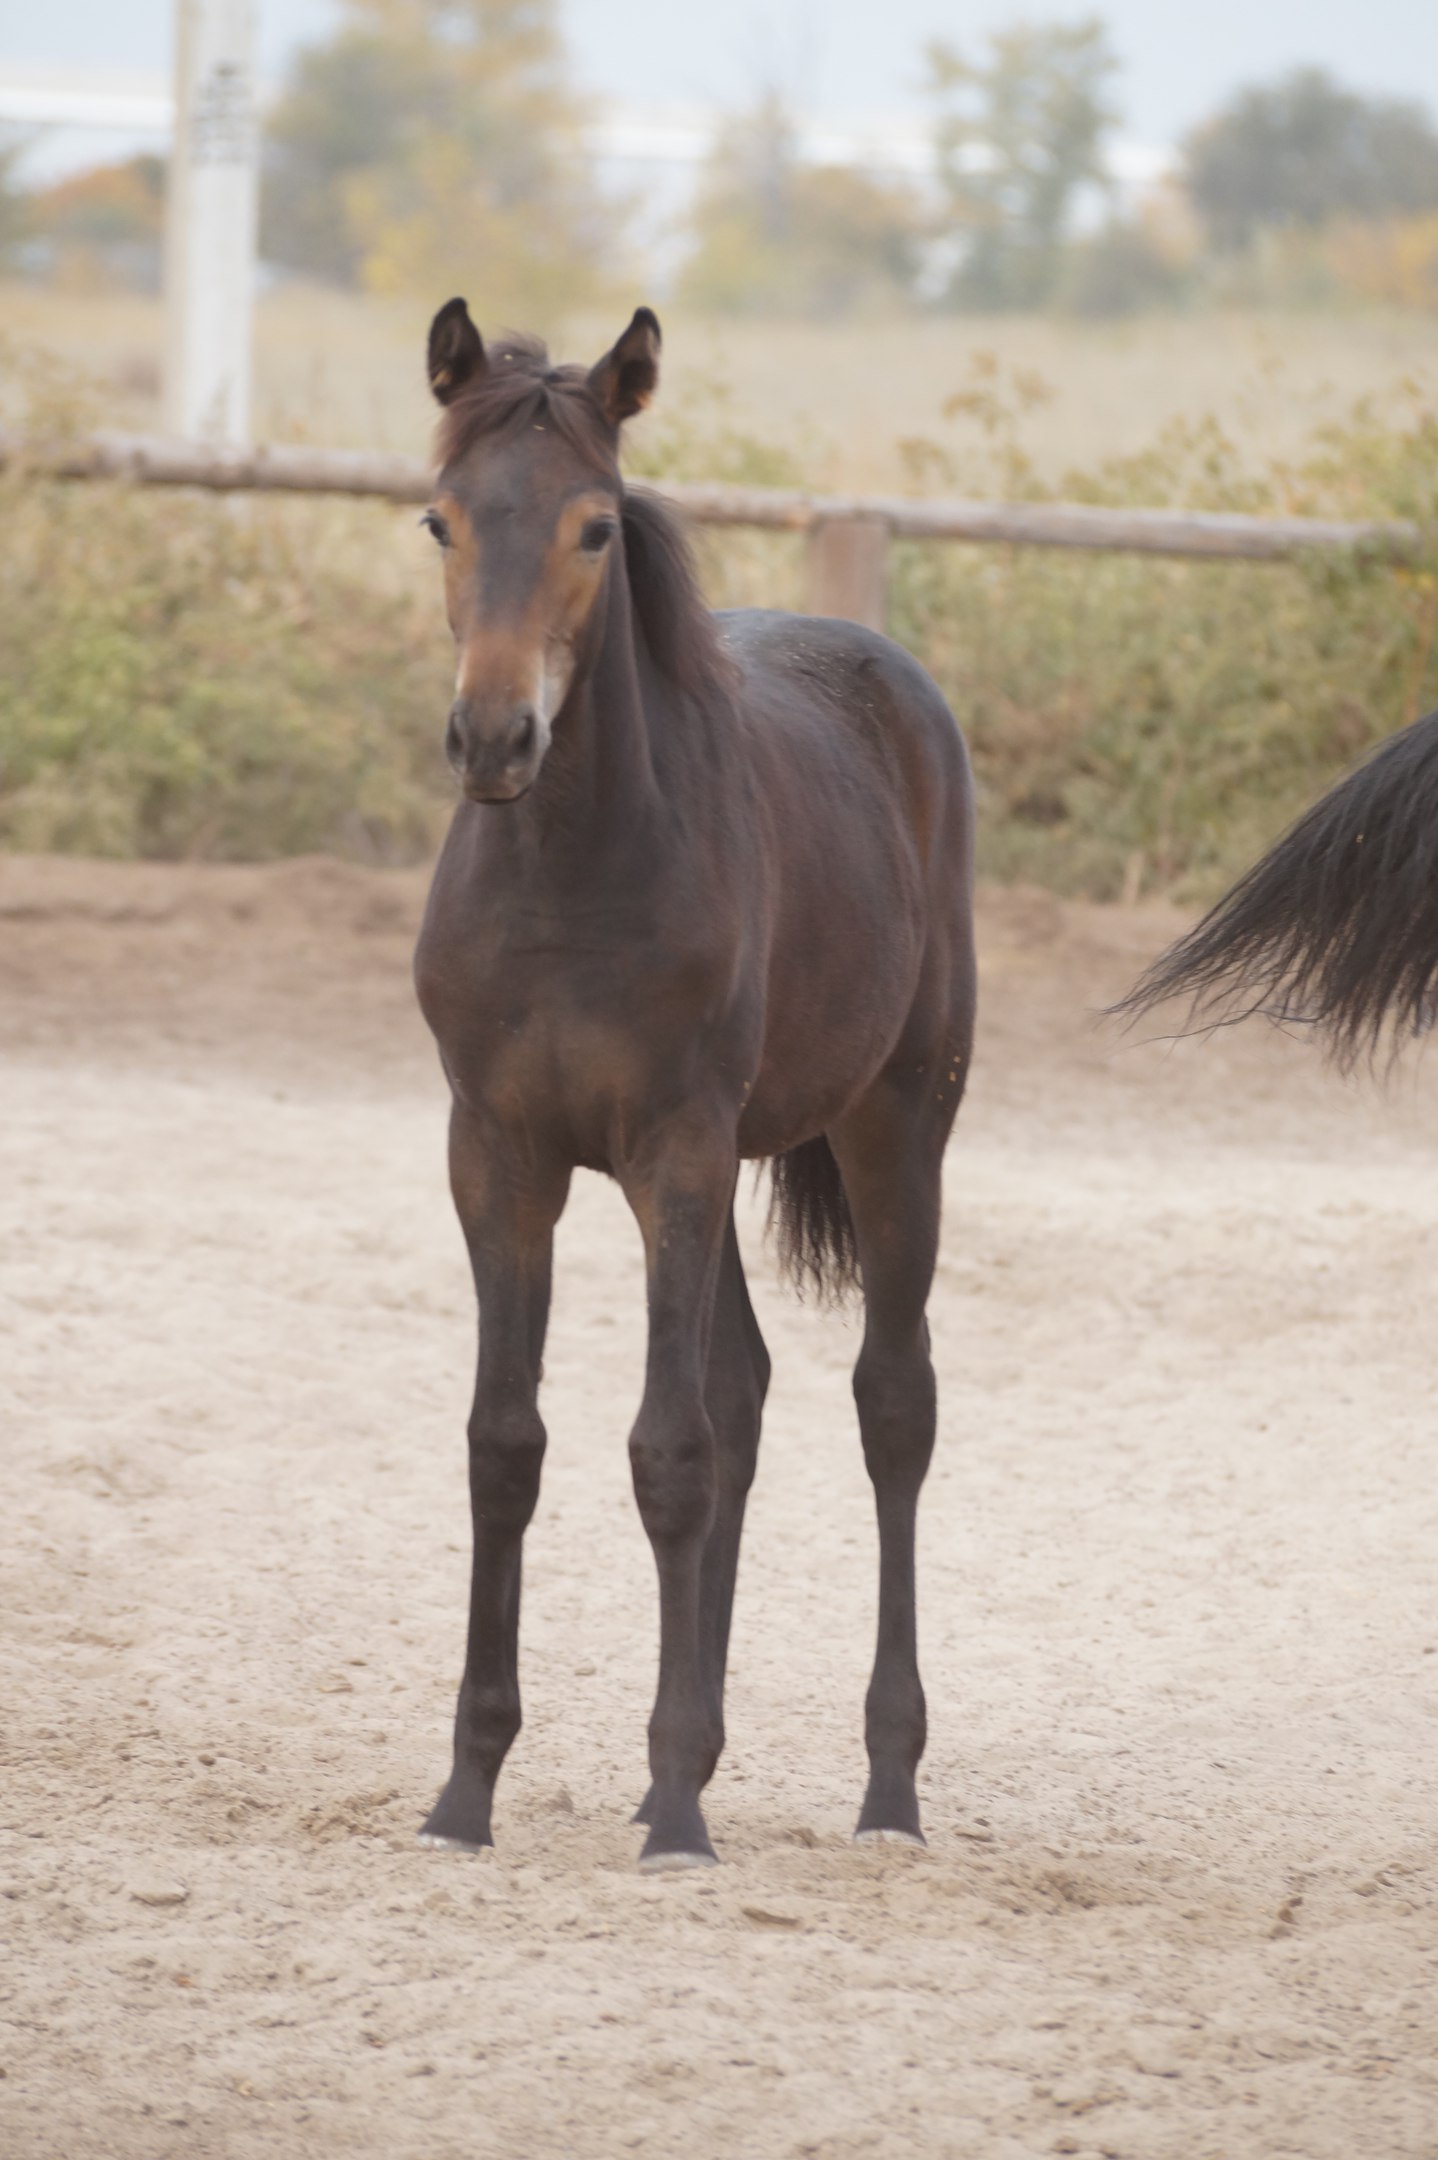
(211, 222)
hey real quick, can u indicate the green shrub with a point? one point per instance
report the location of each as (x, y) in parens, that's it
(1143, 724)
(183, 676)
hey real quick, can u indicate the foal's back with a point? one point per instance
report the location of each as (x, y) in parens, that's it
(866, 803)
(851, 721)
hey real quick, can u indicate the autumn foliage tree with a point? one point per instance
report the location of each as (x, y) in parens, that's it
(1304, 152)
(435, 145)
(774, 235)
(104, 223)
(14, 211)
(1019, 133)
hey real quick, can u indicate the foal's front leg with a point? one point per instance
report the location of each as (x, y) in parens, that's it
(681, 1196)
(507, 1212)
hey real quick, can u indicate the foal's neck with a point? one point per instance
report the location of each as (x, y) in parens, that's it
(598, 787)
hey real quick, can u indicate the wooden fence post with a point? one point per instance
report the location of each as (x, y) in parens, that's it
(848, 569)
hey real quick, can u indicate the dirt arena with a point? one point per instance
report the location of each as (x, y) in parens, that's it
(1178, 1609)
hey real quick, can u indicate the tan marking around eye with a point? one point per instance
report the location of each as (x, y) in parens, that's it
(571, 577)
(513, 659)
(460, 559)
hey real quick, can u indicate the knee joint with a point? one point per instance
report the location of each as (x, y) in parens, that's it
(506, 1450)
(672, 1460)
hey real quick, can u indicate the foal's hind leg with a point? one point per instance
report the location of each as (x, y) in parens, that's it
(890, 1152)
(735, 1382)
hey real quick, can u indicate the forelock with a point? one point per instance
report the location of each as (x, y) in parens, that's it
(519, 389)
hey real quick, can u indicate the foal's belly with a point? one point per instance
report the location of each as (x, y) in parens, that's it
(825, 1043)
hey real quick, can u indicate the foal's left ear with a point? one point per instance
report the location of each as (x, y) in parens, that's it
(623, 381)
(456, 351)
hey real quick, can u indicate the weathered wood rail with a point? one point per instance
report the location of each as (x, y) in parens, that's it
(848, 535)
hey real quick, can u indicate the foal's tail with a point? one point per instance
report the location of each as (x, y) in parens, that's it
(809, 1214)
(1337, 925)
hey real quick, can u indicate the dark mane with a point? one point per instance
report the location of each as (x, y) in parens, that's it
(519, 389)
(678, 628)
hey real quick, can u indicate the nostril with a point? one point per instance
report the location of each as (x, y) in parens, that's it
(453, 740)
(524, 735)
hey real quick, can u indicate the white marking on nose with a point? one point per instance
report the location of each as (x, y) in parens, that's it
(552, 685)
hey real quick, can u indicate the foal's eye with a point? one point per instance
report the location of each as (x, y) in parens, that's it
(434, 523)
(597, 535)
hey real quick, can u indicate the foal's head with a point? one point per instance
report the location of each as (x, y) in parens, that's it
(527, 509)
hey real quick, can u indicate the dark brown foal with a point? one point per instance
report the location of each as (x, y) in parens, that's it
(708, 897)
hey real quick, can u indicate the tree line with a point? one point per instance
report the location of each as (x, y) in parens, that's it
(429, 141)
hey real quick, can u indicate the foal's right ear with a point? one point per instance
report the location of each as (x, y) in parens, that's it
(456, 351)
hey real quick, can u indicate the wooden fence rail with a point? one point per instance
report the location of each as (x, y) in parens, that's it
(848, 535)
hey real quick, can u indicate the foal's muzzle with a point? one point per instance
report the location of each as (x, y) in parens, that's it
(494, 755)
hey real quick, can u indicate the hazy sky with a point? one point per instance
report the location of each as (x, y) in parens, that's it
(846, 58)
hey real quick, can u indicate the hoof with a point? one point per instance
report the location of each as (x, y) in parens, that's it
(439, 1843)
(674, 1863)
(892, 1837)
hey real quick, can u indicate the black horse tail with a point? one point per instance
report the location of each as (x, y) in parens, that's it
(1337, 925)
(809, 1215)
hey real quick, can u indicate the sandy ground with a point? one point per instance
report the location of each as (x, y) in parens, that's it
(1178, 1603)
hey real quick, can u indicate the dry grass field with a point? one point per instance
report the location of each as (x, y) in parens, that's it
(840, 400)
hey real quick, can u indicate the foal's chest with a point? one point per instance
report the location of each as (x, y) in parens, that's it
(576, 1044)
